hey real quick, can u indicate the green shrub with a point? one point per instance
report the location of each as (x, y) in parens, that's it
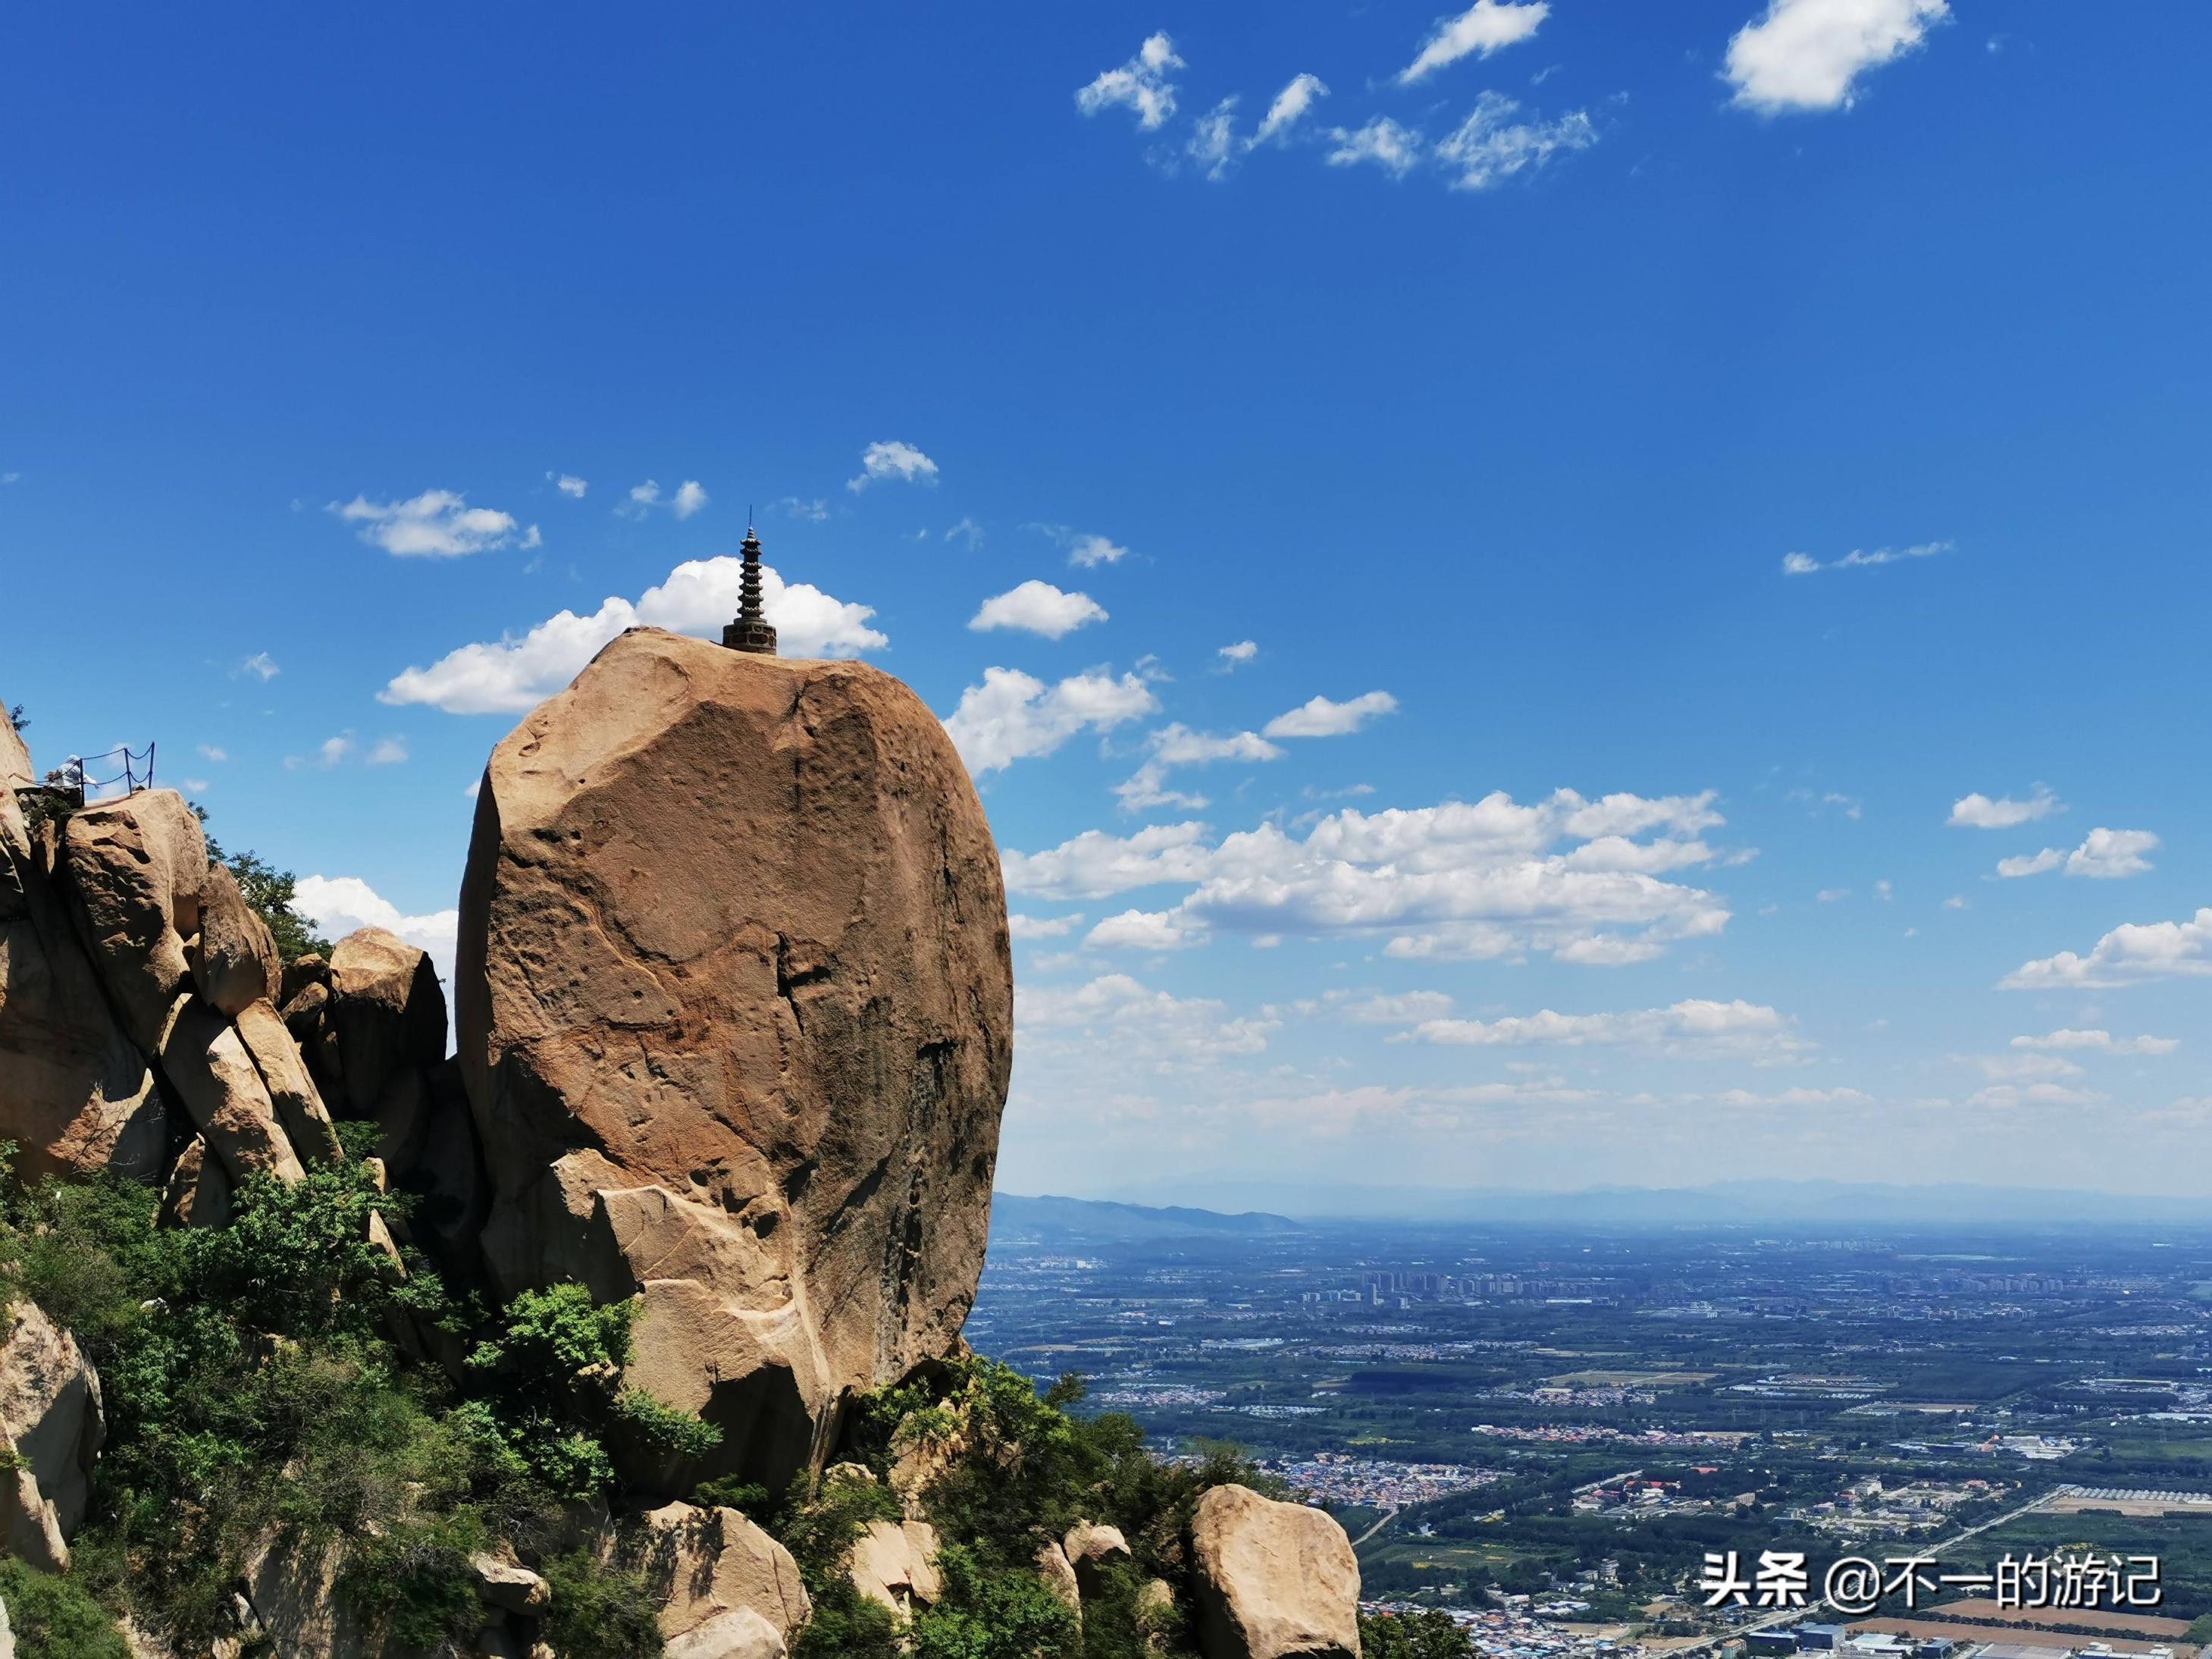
(413, 1584)
(1005, 1613)
(663, 1427)
(600, 1611)
(55, 1617)
(1429, 1635)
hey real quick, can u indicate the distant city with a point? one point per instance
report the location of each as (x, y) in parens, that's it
(1545, 1431)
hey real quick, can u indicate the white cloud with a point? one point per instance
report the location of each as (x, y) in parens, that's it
(1794, 1098)
(2129, 955)
(1212, 144)
(437, 524)
(1141, 85)
(644, 495)
(1695, 1026)
(1321, 718)
(1382, 142)
(1013, 716)
(1288, 108)
(261, 666)
(388, 751)
(1485, 28)
(1979, 811)
(2099, 1041)
(1236, 655)
(1804, 564)
(508, 675)
(690, 497)
(1805, 54)
(1145, 930)
(1095, 865)
(1087, 551)
(1036, 607)
(1138, 1025)
(1831, 894)
(1398, 1008)
(1022, 926)
(215, 752)
(338, 905)
(2009, 1096)
(892, 460)
(966, 531)
(330, 750)
(1490, 145)
(814, 512)
(1177, 745)
(569, 484)
(2104, 854)
(1459, 881)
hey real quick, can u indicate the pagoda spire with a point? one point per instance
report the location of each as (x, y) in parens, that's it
(750, 631)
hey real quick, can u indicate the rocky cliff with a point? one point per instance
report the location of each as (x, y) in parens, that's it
(735, 1012)
(691, 1222)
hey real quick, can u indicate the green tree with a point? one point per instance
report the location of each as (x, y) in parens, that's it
(271, 894)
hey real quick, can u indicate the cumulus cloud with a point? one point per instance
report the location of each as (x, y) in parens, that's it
(814, 512)
(1014, 716)
(509, 674)
(1036, 607)
(1140, 85)
(2131, 954)
(1804, 564)
(1086, 551)
(261, 666)
(1032, 927)
(438, 524)
(2103, 855)
(388, 751)
(1485, 28)
(1321, 718)
(2099, 1041)
(690, 497)
(893, 460)
(1490, 145)
(338, 905)
(1236, 655)
(1382, 142)
(1459, 881)
(1979, 811)
(1808, 54)
(568, 484)
(1140, 1023)
(1145, 930)
(1695, 1026)
(1177, 745)
(1289, 107)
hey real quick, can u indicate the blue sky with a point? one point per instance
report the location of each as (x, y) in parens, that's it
(1493, 377)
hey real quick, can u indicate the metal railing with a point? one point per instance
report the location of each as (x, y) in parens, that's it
(75, 774)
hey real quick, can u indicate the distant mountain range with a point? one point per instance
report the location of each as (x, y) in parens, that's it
(1014, 1219)
(1205, 1207)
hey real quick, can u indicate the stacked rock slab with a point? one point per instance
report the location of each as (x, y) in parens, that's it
(734, 1003)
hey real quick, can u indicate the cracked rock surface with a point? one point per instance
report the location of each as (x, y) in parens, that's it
(734, 1004)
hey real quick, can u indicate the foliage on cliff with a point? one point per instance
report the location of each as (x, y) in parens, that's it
(255, 1393)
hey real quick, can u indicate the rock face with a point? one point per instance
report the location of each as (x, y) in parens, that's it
(51, 1416)
(734, 1003)
(235, 962)
(75, 1093)
(894, 1563)
(1275, 1581)
(136, 866)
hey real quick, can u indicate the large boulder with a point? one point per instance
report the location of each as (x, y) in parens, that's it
(51, 1419)
(135, 867)
(1275, 1581)
(369, 1020)
(76, 1092)
(734, 1004)
(235, 963)
(709, 1566)
(894, 1564)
